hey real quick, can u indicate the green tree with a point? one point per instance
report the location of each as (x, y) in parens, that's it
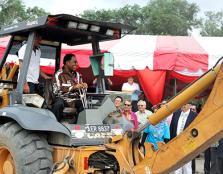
(128, 14)
(158, 17)
(212, 25)
(169, 17)
(12, 11)
(35, 12)
(99, 15)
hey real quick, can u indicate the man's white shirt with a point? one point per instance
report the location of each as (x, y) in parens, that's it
(130, 87)
(34, 65)
(133, 88)
(182, 121)
(142, 116)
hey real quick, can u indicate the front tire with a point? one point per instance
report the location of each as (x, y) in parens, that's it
(22, 151)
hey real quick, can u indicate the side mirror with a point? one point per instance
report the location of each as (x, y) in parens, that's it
(102, 64)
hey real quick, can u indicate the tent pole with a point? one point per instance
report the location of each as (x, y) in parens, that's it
(175, 87)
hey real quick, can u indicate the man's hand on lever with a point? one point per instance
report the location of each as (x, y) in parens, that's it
(44, 75)
(80, 86)
(84, 85)
(26, 89)
(77, 86)
(47, 77)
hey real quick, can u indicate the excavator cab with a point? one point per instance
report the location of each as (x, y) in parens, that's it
(26, 110)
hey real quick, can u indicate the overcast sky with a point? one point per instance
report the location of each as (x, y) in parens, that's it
(78, 6)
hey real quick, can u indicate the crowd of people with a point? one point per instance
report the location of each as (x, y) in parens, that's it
(133, 112)
(166, 130)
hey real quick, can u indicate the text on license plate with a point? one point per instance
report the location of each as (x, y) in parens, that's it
(97, 128)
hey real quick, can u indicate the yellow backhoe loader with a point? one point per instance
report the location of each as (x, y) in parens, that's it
(33, 141)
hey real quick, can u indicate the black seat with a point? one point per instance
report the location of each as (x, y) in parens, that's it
(51, 97)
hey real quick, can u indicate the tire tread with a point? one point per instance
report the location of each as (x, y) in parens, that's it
(32, 154)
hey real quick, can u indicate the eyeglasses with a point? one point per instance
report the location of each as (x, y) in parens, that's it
(127, 104)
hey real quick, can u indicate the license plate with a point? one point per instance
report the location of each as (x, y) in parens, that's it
(97, 128)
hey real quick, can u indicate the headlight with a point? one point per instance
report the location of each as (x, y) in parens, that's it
(110, 32)
(79, 134)
(94, 28)
(72, 24)
(82, 26)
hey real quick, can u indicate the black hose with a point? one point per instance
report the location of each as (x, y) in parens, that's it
(54, 167)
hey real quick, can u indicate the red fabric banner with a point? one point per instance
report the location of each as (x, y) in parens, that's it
(125, 73)
(152, 83)
(181, 77)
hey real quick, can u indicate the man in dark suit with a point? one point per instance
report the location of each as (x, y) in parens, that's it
(181, 119)
(217, 158)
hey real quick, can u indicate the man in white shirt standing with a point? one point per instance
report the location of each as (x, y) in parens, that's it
(132, 88)
(142, 113)
(34, 71)
(181, 119)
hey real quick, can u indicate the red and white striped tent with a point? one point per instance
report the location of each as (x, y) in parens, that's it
(151, 57)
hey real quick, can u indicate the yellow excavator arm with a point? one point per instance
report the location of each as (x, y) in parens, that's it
(206, 129)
